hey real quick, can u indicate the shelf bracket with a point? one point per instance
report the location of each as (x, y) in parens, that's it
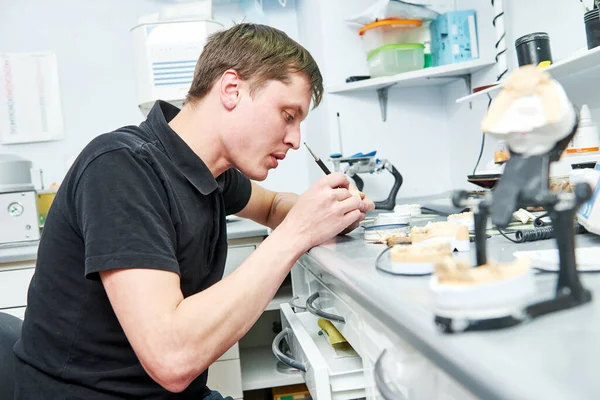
(469, 85)
(466, 78)
(382, 96)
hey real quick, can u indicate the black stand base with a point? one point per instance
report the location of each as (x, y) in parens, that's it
(525, 184)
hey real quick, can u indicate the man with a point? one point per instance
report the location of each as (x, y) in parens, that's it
(127, 299)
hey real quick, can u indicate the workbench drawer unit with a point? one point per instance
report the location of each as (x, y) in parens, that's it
(396, 370)
(223, 376)
(315, 296)
(14, 283)
(329, 374)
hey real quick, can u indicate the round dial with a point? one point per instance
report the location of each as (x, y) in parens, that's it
(15, 209)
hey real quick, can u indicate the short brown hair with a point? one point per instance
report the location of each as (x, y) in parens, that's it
(258, 53)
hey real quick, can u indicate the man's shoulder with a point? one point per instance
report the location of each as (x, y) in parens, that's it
(123, 145)
(130, 138)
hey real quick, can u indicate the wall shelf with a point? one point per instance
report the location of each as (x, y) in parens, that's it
(578, 63)
(259, 370)
(434, 76)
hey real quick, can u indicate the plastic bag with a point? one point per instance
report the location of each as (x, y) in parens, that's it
(383, 9)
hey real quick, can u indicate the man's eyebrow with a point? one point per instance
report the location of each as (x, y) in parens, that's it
(300, 110)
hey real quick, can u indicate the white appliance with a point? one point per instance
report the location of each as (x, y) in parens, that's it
(166, 48)
(18, 204)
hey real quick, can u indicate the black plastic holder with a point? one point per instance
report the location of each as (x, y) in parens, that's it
(525, 184)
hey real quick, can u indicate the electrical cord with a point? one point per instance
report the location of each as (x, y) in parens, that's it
(499, 52)
(506, 237)
(482, 139)
(541, 233)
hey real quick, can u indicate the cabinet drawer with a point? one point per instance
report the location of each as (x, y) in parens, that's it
(226, 378)
(236, 256)
(314, 296)
(13, 287)
(329, 374)
(323, 303)
(395, 370)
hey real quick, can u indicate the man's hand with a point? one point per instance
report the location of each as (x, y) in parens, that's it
(367, 205)
(323, 211)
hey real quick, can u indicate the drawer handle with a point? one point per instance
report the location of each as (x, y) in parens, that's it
(281, 336)
(320, 313)
(386, 392)
(295, 305)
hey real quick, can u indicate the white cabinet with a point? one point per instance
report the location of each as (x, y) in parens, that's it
(225, 377)
(13, 287)
(236, 254)
(330, 374)
(391, 368)
(14, 282)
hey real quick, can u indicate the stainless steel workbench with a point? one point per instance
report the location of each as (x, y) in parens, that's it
(554, 357)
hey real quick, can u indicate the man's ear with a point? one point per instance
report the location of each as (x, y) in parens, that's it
(229, 90)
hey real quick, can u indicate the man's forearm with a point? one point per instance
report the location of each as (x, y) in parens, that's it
(206, 324)
(281, 205)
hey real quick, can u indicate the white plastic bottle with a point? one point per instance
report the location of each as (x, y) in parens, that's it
(586, 138)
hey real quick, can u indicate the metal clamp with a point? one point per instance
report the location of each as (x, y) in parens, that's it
(281, 336)
(384, 390)
(320, 313)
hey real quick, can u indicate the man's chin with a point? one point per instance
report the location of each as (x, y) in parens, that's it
(257, 176)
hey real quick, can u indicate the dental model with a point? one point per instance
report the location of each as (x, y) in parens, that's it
(456, 235)
(532, 112)
(399, 238)
(428, 253)
(488, 291)
(415, 260)
(459, 272)
(467, 219)
(536, 119)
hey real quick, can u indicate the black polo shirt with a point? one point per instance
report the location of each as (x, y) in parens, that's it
(138, 197)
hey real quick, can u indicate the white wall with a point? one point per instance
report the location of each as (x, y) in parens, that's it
(432, 141)
(416, 137)
(95, 62)
(563, 21)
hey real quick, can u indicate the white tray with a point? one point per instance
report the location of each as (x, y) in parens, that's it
(588, 259)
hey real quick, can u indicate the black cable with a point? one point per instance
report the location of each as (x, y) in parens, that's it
(499, 53)
(434, 211)
(502, 233)
(539, 222)
(482, 139)
(532, 235)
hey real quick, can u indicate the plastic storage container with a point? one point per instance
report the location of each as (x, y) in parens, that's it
(390, 31)
(394, 59)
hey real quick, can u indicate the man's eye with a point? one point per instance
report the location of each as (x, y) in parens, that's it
(288, 117)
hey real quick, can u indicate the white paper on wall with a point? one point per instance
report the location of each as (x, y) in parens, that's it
(30, 105)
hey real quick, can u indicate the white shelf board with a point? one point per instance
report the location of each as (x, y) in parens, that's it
(283, 295)
(578, 63)
(423, 77)
(259, 370)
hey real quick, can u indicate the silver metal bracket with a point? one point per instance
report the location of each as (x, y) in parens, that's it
(382, 96)
(466, 78)
(382, 93)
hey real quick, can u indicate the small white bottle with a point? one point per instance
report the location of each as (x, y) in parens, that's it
(586, 139)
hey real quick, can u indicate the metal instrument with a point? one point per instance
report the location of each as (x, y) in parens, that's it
(367, 163)
(18, 208)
